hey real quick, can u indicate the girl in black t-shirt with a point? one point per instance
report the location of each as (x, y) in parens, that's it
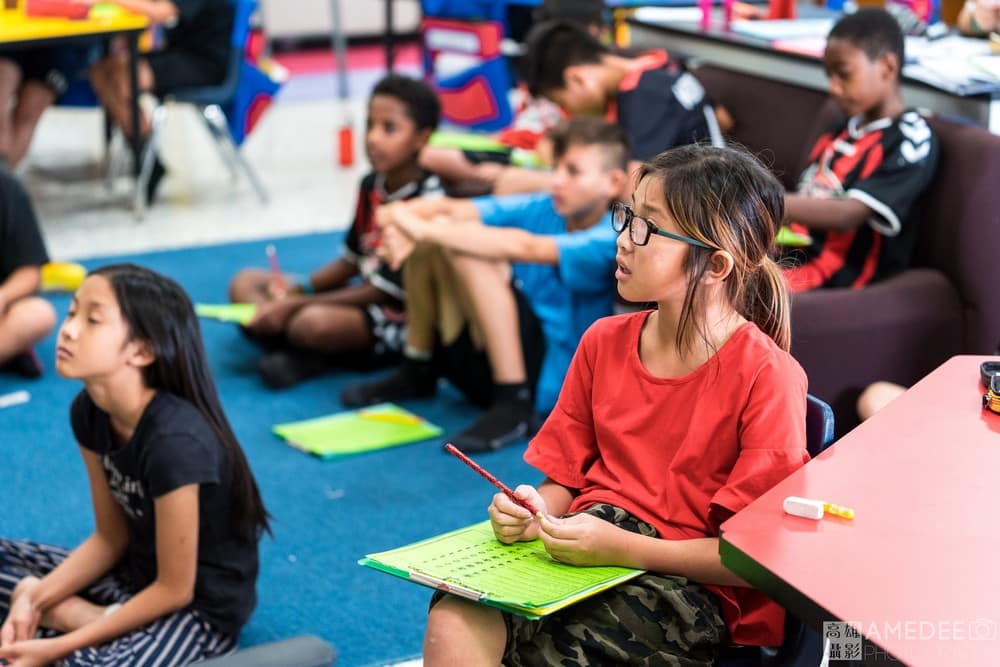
(168, 576)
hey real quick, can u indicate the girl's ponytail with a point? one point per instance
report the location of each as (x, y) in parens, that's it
(728, 200)
(767, 302)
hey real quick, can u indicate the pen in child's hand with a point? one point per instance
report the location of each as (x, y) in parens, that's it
(453, 450)
(277, 281)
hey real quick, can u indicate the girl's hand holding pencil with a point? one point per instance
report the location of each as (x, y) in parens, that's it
(511, 521)
(513, 514)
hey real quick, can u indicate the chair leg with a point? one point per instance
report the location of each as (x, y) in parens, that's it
(148, 158)
(109, 137)
(219, 132)
(219, 127)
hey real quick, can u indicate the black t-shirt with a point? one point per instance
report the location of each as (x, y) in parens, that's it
(20, 240)
(363, 237)
(173, 446)
(662, 108)
(204, 28)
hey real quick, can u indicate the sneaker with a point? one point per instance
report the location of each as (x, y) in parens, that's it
(503, 424)
(286, 368)
(410, 380)
(26, 364)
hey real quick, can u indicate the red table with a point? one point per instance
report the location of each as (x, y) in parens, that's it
(918, 569)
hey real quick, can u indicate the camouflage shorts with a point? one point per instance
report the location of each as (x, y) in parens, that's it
(651, 620)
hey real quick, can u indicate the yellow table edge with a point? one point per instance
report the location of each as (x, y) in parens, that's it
(16, 27)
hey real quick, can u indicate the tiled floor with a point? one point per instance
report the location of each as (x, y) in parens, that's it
(292, 150)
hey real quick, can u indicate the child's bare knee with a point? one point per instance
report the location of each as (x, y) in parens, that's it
(10, 73)
(876, 396)
(309, 327)
(462, 632)
(33, 317)
(246, 284)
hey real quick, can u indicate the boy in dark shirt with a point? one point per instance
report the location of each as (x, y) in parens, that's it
(657, 103)
(858, 194)
(324, 320)
(25, 319)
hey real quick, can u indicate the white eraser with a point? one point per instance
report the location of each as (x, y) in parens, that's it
(14, 398)
(804, 507)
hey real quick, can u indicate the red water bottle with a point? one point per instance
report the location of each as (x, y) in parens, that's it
(345, 144)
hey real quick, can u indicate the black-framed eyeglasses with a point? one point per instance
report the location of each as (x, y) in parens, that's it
(623, 216)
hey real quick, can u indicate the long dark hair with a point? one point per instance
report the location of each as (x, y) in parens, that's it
(159, 312)
(726, 198)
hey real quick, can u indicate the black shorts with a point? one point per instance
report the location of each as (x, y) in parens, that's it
(55, 67)
(468, 368)
(387, 325)
(177, 69)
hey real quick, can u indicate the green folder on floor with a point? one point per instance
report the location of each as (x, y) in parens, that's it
(239, 313)
(520, 578)
(365, 430)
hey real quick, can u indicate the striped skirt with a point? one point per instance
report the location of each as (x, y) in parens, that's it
(177, 639)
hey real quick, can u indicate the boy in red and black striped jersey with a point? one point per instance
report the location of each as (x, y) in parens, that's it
(865, 174)
(329, 318)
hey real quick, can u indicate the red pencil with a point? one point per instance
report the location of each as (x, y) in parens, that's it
(455, 451)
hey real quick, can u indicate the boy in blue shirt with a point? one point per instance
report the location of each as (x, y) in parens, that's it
(501, 288)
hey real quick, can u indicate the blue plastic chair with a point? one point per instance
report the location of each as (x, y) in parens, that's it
(803, 647)
(210, 101)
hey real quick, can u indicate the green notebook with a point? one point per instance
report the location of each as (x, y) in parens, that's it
(520, 578)
(791, 239)
(376, 427)
(240, 313)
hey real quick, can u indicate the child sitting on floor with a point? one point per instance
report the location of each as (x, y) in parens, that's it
(326, 320)
(25, 319)
(168, 575)
(502, 288)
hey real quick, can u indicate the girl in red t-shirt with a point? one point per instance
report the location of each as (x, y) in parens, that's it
(669, 421)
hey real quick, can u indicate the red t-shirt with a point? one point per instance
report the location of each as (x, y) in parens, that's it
(682, 454)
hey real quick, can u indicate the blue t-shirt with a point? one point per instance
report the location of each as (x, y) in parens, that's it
(567, 297)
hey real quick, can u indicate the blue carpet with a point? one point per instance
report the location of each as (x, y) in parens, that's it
(327, 513)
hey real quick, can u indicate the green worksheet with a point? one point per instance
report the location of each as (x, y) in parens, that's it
(240, 313)
(520, 577)
(369, 429)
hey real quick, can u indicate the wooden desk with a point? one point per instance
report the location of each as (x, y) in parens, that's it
(749, 55)
(18, 32)
(917, 568)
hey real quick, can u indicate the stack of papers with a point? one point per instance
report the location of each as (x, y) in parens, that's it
(960, 65)
(520, 578)
(783, 28)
